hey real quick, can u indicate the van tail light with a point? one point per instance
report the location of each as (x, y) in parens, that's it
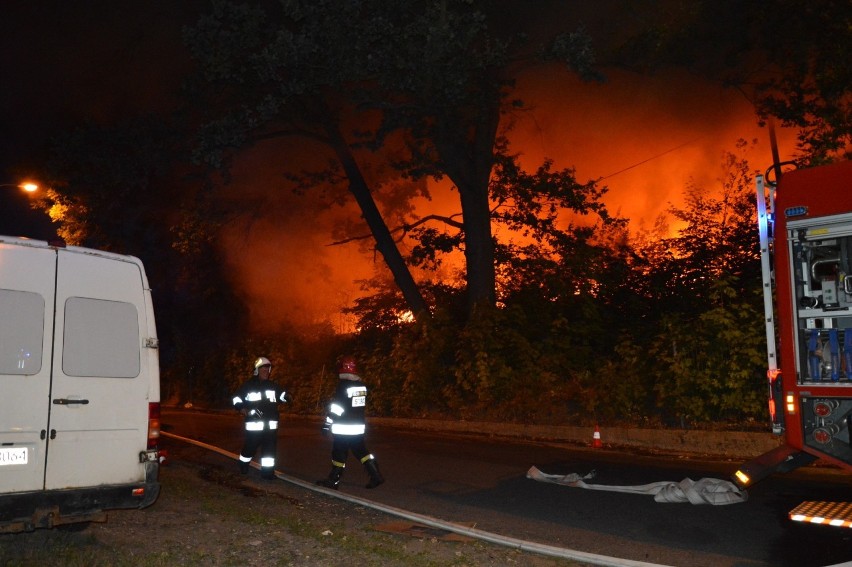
(153, 425)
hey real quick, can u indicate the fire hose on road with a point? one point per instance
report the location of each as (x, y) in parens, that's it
(705, 491)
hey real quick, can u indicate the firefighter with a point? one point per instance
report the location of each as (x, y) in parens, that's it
(258, 400)
(345, 422)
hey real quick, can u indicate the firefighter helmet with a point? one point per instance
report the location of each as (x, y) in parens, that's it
(347, 365)
(262, 361)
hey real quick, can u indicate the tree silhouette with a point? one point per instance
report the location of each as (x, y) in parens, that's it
(363, 76)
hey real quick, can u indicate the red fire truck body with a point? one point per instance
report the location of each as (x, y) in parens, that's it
(806, 252)
(814, 301)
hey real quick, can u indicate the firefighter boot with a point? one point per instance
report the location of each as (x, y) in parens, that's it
(376, 477)
(333, 479)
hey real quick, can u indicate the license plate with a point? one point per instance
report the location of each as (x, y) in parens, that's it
(13, 456)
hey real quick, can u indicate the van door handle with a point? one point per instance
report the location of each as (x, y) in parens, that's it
(66, 401)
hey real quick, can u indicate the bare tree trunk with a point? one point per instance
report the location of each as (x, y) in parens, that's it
(384, 241)
(468, 161)
(479, 248)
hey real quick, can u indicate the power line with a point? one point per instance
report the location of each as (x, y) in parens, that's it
(650, 158)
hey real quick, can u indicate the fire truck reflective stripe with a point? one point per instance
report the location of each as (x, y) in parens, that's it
(347, 429)
(336, 409)
(254, 397)
(267, 462)
(273, 424)
(829, 513)
(237, 400)
(254, 426)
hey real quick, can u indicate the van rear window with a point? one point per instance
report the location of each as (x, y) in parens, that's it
(21, 332)
(100, 338)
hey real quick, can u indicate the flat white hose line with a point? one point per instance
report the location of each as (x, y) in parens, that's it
(705, 491)
(518, 544)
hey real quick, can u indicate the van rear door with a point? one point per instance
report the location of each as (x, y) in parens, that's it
(27, 276)
(99, 395)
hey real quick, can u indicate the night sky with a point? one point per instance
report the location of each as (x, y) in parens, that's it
(65, 63)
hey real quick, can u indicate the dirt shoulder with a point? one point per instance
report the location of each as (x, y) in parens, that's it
(209, 514)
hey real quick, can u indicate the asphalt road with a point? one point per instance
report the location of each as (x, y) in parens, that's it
(482, 482)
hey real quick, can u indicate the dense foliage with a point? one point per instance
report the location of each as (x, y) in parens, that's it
(614, 329)
(664, 332)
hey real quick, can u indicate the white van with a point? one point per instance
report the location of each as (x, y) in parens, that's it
(79, 385)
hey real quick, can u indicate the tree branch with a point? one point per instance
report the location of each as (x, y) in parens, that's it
(404, 229)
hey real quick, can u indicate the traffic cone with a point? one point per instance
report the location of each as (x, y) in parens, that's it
(596, 438)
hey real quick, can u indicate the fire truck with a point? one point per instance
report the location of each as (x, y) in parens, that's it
(805, 228)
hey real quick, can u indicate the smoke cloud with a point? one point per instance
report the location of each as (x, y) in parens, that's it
(645, 138)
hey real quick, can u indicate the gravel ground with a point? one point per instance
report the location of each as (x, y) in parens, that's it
(209, 514)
